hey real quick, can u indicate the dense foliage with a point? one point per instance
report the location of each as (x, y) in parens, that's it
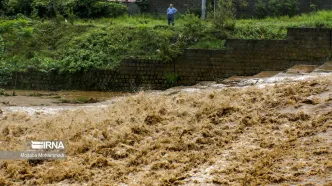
(275, 8)
(225, 15)
(276, 28)
(50, 45)
(143, 5)
(103, 43)
(53, 8)
(105, 48)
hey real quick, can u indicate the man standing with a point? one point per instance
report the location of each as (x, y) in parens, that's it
(170, 14)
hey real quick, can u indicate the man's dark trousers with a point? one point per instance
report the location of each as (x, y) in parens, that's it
(171, 19)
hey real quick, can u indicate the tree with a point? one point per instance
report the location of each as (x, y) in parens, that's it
(15, 39)
(3, 7)
(143, 5)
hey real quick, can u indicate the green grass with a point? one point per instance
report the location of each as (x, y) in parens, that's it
(276, 28)
(92, 44)
(304, 20)
(132, 21)
(209, 43)
(104, 43)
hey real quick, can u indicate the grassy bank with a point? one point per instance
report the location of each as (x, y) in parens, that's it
(276, 28)
(103, 43)
(96, 43)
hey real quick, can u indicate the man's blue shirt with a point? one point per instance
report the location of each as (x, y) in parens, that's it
(171, 11)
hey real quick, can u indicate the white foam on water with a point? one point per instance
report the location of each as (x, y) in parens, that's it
(32, 110)
(190, 89)
(257, 82)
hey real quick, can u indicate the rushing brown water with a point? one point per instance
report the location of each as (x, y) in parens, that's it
(51, 98)
(68, 94)
(209, 134)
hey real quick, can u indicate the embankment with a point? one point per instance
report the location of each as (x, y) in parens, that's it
(311, 46)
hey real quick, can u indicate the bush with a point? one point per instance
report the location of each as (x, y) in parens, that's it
(108, 9)
(192, 25)
(15, 33)
(197, 11)
(13, 7)
(225, 15)
(261, 10)
(47, 8)
(171, 78)
(117, 9)
(260, 32)
(3, 7)
(276, 8)
(106, 48)
(86, 46)
(143, 5)
(5, 75)
(320, 24)
(83, 9)
(283, 7)
(210, 43)
(97, 8)
(92, 50)
(243, 4)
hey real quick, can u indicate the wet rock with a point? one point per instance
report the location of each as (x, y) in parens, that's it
(99, 163)
(33, 162)
(93, 100)
(329, 167)
(311, 101)
(152, 119)
(330, 97)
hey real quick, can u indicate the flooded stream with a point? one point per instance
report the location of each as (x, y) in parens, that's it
(252, 131)
(32, 101)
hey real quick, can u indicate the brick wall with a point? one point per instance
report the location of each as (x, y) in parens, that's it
(249, 57)
(241, 57)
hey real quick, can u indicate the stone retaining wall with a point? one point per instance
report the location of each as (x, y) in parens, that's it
(241, 57)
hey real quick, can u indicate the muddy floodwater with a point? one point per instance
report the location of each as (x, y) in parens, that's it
(48, 98)
(251, 131)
